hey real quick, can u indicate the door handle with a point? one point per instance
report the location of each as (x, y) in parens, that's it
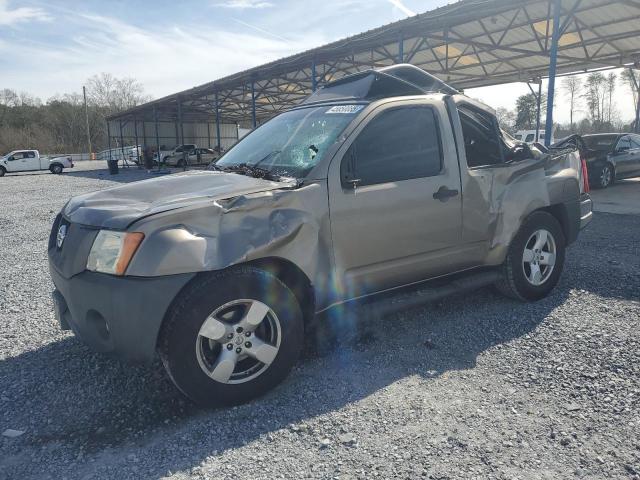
(444, 193)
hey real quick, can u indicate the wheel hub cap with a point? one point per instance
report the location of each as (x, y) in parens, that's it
(238, 341)
(539, 257)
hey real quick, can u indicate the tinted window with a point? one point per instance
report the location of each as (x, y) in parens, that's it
(529, 138)
(635, 141)
(601, 143)
(31, 154)
(624, 143)
(397, 145)
(481, 140)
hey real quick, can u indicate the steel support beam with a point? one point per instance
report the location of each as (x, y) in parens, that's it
(218, 139)
(109, 138)
(180, 141)
(314, 80)
(155, 120)
(135, 131)
(553, 62)
(253, 104)
(124, 162)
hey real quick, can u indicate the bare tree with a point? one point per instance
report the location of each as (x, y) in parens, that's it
(58, 126)
(115, 94)
(595, 96)
(631, 78)
(573, 88)
(612, 80)
(506, 119)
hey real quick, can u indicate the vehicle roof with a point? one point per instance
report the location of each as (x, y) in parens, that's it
(374, 84)
(604, 134)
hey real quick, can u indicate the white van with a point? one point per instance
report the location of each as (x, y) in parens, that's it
(529, 136)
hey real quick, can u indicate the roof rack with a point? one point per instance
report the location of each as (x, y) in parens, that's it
(394, 81)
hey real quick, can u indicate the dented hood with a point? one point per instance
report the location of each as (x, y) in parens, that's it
(119, 207)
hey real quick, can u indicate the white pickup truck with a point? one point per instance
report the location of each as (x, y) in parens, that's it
(30, 160)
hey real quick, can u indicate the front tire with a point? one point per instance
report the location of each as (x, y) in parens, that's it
(2, 171)
(535, 259)
(231, 336)
(56, 169)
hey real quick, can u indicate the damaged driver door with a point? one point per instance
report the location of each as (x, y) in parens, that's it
(395, 200)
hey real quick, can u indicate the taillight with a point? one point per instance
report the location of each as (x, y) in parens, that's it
(585, 175)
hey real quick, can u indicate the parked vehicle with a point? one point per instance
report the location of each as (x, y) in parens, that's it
(529, 136)
(611, 156)
(30, 160)
(379, 180)
(198, 156)
(176, 153)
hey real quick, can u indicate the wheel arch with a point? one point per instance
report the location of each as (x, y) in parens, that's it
(285, 270)
(560, 212)
(294, 278)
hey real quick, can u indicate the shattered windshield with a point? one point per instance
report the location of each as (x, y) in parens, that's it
(291, 144)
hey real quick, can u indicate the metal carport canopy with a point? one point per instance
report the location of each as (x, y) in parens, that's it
(471, 43)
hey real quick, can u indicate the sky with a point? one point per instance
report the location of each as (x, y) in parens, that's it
(51, 47)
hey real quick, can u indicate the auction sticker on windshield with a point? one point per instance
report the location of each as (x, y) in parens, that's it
(345, 109)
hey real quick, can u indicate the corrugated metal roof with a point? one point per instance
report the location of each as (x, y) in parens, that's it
(470, 43)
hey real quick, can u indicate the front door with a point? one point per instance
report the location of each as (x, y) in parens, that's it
(624, 157)
(395, 205)
(19, 162)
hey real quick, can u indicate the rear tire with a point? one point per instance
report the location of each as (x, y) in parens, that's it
(56, 169)
(212, 361)
(606, 176)
(535, 259)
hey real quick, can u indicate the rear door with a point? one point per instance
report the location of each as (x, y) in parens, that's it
(395, 204)
(635, 151)
(32, 160)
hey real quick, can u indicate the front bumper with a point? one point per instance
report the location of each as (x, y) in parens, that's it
(117, 315)
(586, 210)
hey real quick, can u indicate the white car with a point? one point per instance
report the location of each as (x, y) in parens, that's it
(199, 156)
(176, 153)
(30, 160)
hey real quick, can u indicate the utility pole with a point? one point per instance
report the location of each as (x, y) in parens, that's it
(86, 118)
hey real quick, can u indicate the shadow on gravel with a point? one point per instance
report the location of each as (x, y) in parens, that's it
(98, 403)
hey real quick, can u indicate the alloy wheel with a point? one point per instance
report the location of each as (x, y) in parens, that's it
(238, 341)
(539, 257)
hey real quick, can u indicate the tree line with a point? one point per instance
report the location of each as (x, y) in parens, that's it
(593, 96)
(58, 125)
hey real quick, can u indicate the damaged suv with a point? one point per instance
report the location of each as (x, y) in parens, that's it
(381, 179)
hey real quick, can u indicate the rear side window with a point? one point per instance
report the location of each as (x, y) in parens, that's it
(399, 144)
(624, 143)
(529, 138)
(635, 141)
(481, 140)
(31, 154)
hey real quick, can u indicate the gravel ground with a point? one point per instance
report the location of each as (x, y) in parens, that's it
(473, 387)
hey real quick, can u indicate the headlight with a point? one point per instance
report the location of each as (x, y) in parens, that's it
(112, 251)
